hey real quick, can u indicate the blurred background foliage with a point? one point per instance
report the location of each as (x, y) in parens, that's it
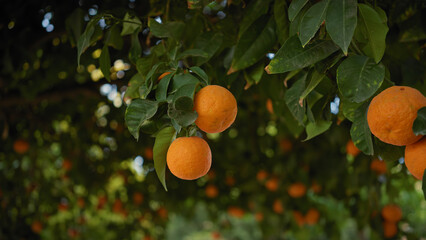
(71, 170)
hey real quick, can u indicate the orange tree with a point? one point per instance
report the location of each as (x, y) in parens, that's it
(71, 169)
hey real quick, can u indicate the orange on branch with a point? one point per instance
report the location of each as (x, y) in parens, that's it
(278, 206)
(391, 213)
(261, 175)
(21, 146)
(269, 106)
(391, 115)
(378, 166)
(312, 216)
(272, 184)
(351, 149)
(298, 217)
(189, 158)
(236, 212)
(389, 229)
(162, 76)
(212, 191)
(415, 158)
(297, 190)
(137, 198)
(216, 108)
(148, 153)
(37, 227)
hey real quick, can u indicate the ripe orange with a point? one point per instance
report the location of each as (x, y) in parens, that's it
(216, 108)
(297, 190)
(269, 106)
(137, 198)
(351, 149)
(261, 175)
(272, 184)
(21, 146)
(378, 166)
(312, 216)
(189, 158)
(278, 206)
(391, 213)
(415, 158)
(162, 75)
(37, 227)
(236, 212)
(298, 217)
(212, 191)
(389, 229)
(391, 115)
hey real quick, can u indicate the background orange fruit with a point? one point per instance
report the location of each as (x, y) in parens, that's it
(216, 108)
(415, 158)
(297, 190)
(278, 206)
(298, 217)
(391, 115)
(389, 229)
(21, 146)
(378, 166)
(351, 149)
(236, 212)
(37, 227)
(391, 213)
(212, 191)
(312, 216)
(272, 184)
(189, 158)
(162, 75)
(269, 106)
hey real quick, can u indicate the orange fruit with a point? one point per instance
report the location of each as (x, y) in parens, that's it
(286, 145)
(212, 191)
(162, 75)
(236, 212)
(66, 164)
(316, 188)
(149, 153)
(259, 216)
(117, 207)
(269, 106)
(21, 146)
(415, 158)
(391, 115)
(230, 181)
(296, 190)
(261, 175)
(37, 227)
(216, 108)
(272, 184)
(80, 202)
(278, 206)
(298, 217)
(389, 229)
(312, 216)
(378, 166)
(391, 213)
(162, 212)
(137, 198)
(351, 149)
(189, 158)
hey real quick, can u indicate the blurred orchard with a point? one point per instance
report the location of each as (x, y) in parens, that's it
(71, 169)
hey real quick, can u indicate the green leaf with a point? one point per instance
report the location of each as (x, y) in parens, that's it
(182, 79)
(293, 56)
(187, 90)
(315, 80)
(294, 25)
(105, 63)
(74, 25)
(181, 111)
(291, 98)
(135, 82)
(359, 77)
(131, 24)
(419, 125)
(163, 85)
(254, 44)
(315, 129)
(253, 11)
(388, 152)
(254, 74)
(84, 40)
(200, 72)
(135, 48)
(192, 53)
(311, 21)
(172, 30)
(281, 20)
(375, 31)
(341, 21)
(114, 38)
(144, 64)
(163, 139)
(210, 43)
(360, 132)
(349, 108)
(295, 7)
(137, 113)
(424, 184)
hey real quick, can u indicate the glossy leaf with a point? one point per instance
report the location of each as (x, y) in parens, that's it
(291, 98)
(135, 82)
(105, 63)
(200, 72)
(172, 30)
(210, 43)
(84, 40)
(312, 20)
(293, 56)
(419, 125)
(192, 53)
(162, 87)
(295, 7)
(316, 78)
(254, 74)
(253, 11)
(163, 139)
(130, 24)
(114, 38)
(359, 77)
(182, 79)
(294, 25)
(254, 44)
(360, 132)
(137, 113)
(341, 21)
(348, 108)
(424, 184)
(74, 25)
(315, 129)
(375, 31)
(281, 20)
(135, 48)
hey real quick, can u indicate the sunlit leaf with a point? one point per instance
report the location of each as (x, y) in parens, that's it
(105, 62)
(163, 139)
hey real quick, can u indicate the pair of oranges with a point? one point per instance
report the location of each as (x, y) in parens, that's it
(391, 115)
(190, 158)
